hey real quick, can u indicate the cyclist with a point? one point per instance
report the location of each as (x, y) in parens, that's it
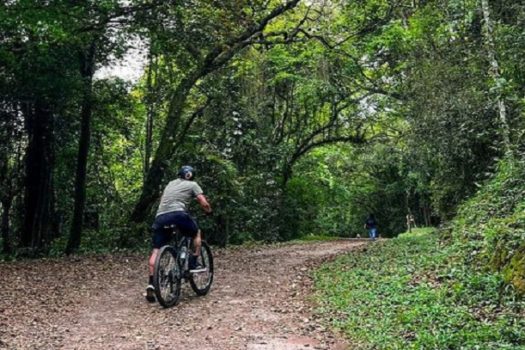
(173, 210)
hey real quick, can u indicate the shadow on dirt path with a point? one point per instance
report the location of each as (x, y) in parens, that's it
(258, 301)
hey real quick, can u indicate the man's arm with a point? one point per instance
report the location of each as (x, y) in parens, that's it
(204, 203)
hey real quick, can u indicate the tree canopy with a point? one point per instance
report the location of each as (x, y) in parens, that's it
(301, 117)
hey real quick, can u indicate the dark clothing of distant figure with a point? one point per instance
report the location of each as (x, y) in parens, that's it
(371, 226)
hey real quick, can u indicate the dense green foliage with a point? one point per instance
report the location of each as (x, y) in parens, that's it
(300, 117)
(492, 223)
(414, 292)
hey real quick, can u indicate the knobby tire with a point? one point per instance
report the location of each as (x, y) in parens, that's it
(207, 277)
(166, 277)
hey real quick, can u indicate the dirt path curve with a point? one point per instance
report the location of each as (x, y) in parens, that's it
(258, 301)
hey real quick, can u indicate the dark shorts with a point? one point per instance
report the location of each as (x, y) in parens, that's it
(185, 223)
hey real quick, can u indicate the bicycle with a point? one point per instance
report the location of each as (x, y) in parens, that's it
(172, 267)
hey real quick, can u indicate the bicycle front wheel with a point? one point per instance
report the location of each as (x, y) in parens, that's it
(166, 277)
(201, 281)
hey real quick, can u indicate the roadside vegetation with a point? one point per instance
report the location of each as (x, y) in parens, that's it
(417, 292)
(459, 287)
(491, 225)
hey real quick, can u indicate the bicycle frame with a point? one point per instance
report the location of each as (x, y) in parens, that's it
(184, 246)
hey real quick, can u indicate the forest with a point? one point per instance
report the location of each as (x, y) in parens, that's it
(300, 118)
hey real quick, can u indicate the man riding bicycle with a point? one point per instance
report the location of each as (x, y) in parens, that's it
(173, 210)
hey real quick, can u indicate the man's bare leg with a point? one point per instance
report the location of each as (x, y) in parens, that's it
(197, 243)
(152, 259)
(149, 290)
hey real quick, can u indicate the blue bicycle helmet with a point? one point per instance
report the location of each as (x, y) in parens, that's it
(186, 172)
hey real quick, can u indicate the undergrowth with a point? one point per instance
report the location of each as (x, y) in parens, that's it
(413, 292)
(492, 223)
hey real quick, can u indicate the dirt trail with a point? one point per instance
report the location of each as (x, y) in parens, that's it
(258, 301)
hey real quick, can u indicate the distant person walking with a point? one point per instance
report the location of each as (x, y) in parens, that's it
(371, 226)
(411, 222)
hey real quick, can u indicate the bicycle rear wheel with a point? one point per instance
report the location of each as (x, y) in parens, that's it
(166, 277)
(200, 282)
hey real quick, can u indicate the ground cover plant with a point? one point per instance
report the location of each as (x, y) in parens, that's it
(414, 292)
(492, 223)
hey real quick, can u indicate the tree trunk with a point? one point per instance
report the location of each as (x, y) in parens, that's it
(215, 59)
(223, 226)
(426, 215)
(286, 175)
(150, 101)
(495, 73)
(38, 181)
(151, 189)
(87, 71)
(6, 207)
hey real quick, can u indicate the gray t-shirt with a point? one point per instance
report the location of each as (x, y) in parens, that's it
(177, 196)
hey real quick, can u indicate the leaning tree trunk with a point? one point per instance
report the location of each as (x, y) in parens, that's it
(38, 180)
(166, 148)
(495, 73)
(87, 71)
(215, 59)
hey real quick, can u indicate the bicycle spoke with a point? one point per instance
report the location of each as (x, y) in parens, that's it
(167, 276)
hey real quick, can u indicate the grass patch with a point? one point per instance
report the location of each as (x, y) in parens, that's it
(412, 292)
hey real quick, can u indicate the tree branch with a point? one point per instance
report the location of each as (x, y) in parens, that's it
(219, 56)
